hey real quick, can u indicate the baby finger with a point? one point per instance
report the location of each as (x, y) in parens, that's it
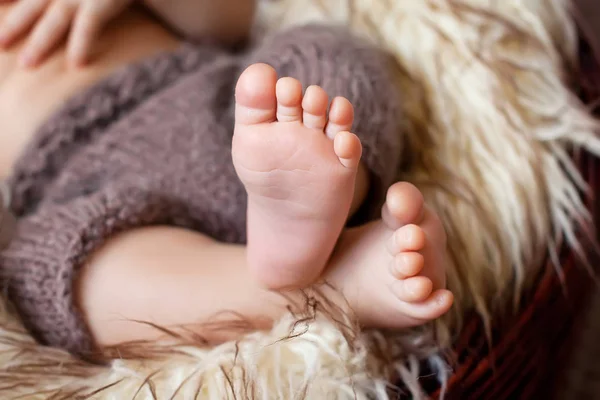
(49, 31)
(20, 19)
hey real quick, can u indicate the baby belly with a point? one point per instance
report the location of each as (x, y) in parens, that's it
(29, 97)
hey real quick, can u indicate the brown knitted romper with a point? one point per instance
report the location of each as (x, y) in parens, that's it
(151, 145)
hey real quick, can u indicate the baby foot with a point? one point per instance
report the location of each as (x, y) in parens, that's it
(299, 167)
(392, 272)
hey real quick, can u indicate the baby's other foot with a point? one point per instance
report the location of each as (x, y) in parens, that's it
(392, 272)
(298, 165)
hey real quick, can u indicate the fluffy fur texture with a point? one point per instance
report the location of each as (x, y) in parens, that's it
(491, 122)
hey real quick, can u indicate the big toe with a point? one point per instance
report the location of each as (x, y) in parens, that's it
(404, 205)
(255, 95)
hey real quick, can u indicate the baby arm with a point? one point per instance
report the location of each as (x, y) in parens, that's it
(45, 23)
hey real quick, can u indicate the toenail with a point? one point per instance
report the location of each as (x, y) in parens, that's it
(416, 237)
(422, 287)
(402, 266)
(441, 298)
(400, 263)
(408, 234)
(411, 287)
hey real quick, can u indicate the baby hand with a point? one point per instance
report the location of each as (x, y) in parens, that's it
(47, 22)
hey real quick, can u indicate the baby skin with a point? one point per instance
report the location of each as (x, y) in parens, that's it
(299, 165)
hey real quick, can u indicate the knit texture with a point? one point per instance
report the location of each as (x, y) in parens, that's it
(152, 145)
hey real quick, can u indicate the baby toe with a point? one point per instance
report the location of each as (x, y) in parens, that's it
(347, 147)
(406, 265)
(409, 238)
(341, 117)
(255, 95)
(413, 290)
(436, 305)
(315, 104)
(404, 205)
(289, 100)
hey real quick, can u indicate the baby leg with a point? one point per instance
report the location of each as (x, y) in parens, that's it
(391, 272)
(174, 278)
(299, 167)
(294, 152)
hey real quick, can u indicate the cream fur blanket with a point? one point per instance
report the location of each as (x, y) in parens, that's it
(490, 119)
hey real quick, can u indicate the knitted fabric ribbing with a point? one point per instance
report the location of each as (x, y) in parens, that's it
(152, 145)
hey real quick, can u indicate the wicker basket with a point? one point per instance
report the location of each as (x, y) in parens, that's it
(527, 356)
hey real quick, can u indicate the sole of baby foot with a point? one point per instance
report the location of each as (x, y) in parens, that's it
(298, 163)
